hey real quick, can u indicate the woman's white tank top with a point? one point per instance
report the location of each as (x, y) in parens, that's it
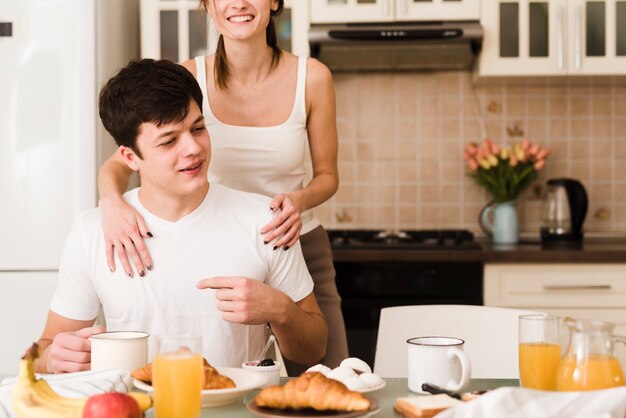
(266, 160)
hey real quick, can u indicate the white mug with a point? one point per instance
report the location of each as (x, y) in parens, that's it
(126, 350)
(440, 361)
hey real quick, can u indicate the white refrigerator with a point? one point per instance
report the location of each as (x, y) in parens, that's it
(54, 56)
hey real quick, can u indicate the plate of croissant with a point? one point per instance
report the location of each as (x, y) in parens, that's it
(311, 395)
(221, 386)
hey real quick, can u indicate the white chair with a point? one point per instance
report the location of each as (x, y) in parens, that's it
(490, 335)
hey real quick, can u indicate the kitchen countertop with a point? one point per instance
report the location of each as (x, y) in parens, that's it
(528, 250)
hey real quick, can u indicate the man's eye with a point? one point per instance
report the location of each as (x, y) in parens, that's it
(168, 142)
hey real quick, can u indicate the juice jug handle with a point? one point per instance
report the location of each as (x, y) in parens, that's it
(484, 219)
(619, 339)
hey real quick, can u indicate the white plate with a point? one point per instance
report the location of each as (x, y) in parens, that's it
(245, 380)
(374, 388)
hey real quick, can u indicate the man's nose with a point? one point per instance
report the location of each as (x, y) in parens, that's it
(191, 145)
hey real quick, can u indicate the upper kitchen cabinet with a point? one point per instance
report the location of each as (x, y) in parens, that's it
(553, 37)
(346, 11)
(179, 29)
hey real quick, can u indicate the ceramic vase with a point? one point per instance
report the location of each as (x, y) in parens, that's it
(499, 221)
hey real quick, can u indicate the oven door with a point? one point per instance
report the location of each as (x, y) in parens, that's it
(367, 287)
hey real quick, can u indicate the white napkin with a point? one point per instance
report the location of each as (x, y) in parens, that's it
(512, 402)
(72, 385)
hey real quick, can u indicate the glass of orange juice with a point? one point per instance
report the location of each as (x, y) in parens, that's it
(177, 376)
(539, 351)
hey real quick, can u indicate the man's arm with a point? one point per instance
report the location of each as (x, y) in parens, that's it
(301, 331)
(64, 345)
(300, 327)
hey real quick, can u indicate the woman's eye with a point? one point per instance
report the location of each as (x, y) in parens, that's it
(199, 129)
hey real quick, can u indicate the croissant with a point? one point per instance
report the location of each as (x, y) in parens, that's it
(212, 378)
(312, 390)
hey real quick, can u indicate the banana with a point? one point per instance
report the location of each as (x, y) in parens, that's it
(30, 399)
(143, 399)
(34, 398)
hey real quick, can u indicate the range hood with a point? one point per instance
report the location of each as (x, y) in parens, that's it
(396, 46)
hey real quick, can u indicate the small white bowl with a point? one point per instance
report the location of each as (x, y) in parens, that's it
(271, 372)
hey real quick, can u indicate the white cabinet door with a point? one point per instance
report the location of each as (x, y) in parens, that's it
(437, 9)
(553, 37)
(341, 11)
(580, 291)
(597, 37)
(24, 303)
(523, 37)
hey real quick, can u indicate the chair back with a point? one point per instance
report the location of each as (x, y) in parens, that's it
(490, 335)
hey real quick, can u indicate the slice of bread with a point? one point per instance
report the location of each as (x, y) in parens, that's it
(424, 406)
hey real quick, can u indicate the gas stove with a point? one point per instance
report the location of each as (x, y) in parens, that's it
(424, 239)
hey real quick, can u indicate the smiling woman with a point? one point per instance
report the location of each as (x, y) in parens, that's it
(265, 110)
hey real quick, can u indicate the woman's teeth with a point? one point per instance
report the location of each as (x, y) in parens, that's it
(240, 18)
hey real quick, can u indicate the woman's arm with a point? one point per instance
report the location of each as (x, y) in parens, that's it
(124, 228)
(322, 132)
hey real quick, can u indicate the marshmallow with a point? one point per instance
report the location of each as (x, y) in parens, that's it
(356, 364)
(320, 368)
(372, 380)
(341, 374)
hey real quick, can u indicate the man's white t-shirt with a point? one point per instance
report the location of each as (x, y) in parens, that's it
(220, 238)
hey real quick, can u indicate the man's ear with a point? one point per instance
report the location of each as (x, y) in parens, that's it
(130, 157)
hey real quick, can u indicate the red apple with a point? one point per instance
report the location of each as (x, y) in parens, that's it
(111, 405)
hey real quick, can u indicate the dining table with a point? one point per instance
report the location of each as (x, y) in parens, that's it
(386, 398)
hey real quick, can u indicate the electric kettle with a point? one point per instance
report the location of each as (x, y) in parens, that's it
(564, 210)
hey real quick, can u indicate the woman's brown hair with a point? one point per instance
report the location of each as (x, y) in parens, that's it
(220, 68)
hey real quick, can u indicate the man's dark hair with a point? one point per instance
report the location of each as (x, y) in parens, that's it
(149, 91)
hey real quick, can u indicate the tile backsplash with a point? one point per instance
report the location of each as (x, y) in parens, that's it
(401, 137)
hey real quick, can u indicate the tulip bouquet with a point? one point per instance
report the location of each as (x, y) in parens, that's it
(505, 172)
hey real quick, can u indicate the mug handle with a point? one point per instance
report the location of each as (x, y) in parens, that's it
(484, 220)
(466, 370)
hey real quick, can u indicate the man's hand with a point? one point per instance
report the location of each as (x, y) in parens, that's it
(246, 301)
(71, 351)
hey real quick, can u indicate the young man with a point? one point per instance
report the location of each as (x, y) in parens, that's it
(216, 277)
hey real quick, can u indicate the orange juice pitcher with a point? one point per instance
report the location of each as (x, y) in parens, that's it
(589, 361)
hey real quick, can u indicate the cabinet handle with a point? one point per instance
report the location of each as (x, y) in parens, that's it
(577, 41)
(577, 287)
(560, 38)
(386, 7)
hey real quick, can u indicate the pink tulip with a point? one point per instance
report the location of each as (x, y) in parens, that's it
(466, 155)
(473, 164)
(534, 149)
(525, 144)
(539, 164)
(513, 160)
(542, 154)
(471, 149)
(495, 149)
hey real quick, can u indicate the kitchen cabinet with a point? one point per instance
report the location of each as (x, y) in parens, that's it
(553, 37)
(179, 30)
(581, 291)
(342, 11)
